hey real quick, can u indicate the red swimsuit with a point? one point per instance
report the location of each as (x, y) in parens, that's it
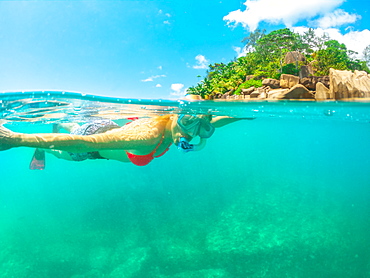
(142, 160)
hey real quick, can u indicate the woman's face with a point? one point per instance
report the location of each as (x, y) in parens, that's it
(177, 133)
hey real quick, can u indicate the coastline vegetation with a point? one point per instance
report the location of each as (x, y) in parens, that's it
(266, 58)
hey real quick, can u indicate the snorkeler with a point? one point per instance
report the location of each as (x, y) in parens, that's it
(139, 141)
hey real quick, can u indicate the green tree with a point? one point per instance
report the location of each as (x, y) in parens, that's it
(251, 41)
(274, 46)
(366, 54)
(265, 58)
(312, 42)
(335, 55)
(309, 39)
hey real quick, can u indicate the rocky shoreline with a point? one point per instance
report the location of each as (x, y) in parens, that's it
(338, 85)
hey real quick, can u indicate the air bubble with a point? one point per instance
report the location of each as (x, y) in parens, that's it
(329, 112)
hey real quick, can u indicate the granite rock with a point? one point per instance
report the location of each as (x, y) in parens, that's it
(288, 81)
(272, 83)
(276, 94)
(293, 57)
(297, 92)
(347, 84)
(322, 92)
(305, 71)
(248, 91)
(311, 81)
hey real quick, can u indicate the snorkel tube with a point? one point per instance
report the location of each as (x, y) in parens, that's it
(185, 146)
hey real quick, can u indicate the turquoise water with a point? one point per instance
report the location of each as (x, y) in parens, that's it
(284, 195)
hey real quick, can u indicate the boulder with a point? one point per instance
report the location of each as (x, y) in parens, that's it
(225, 96)
(264, 88)
(272, 83)
(311, 81)
(255, 94)
(305, 71)
(293, 57)
(260, 92)
(248, 91)
(347, 84)
(237, 97)
(362, 82)
(193, 97)
(277, 94)
(322, 92)
(262, 95)
(324, 80)
(297, 92)
(249, 77)
(288, 81)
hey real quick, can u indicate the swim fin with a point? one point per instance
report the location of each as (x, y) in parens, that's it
(38, 160)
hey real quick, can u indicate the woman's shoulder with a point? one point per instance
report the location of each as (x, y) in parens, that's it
(152, 122)
(143, 129)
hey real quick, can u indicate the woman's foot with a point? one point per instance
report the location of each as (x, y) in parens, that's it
(38, 160)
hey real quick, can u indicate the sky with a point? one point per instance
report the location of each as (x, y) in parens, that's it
(150, 49)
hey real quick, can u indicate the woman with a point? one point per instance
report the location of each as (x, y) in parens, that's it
(138, 142)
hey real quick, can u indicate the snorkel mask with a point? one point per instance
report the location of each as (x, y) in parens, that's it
(194, 125)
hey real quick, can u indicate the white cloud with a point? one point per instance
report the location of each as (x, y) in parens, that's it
(150, 79)
(240, 51)
(335, 19)
(287, 12)
(160, 12)
(158, 86)
(178, 89)
(202, 62)
(354, 40)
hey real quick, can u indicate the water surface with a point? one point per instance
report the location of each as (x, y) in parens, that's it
(284, 195)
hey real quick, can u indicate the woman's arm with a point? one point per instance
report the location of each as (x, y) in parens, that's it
(221, 121)
(139, 135)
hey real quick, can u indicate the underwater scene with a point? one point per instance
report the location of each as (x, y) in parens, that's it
(283, 192)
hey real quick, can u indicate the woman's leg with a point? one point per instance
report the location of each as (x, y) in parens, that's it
(38, 158)
(59, 154)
